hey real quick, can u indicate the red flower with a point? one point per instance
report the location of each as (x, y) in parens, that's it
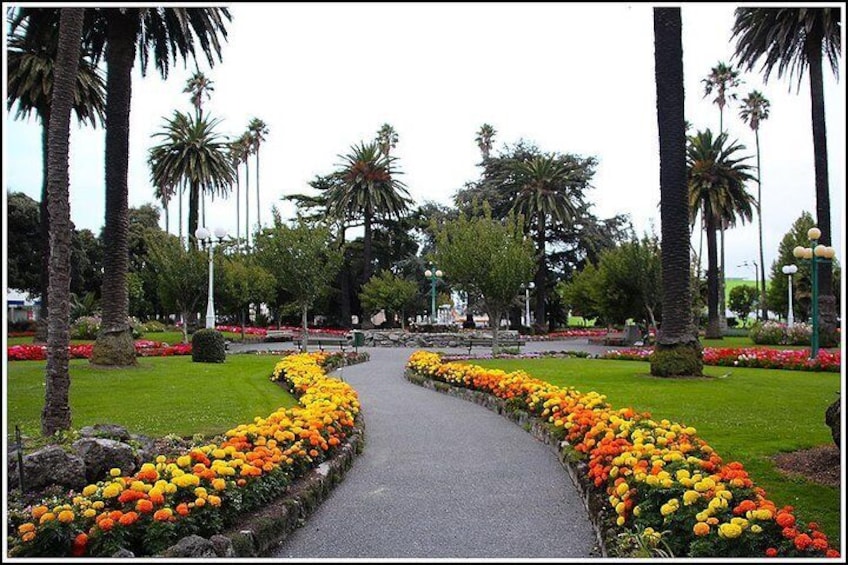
(771, 552)
(803, 541)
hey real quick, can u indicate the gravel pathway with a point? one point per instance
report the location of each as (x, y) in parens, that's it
(442, 478)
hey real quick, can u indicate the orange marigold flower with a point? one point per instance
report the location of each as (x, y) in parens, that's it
(81, 539)
(27, 537)
(813, 526)
(128, 519)
(39, 511)
(803, 541)
(24, 528)
(144, 506)
(115, 515)
(701, 529)
(66, 516)
(744, 506)
(46, 517)
(832, 553)
(819, 544)
(182, 509)
(106, 524)
(771, 552)
(155, 498)
(163, 515)
(790, 533)
(785, 520)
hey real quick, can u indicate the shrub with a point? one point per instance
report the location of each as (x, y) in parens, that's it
(207, 346)
(85, 327)
(153, 327)
(774, 333)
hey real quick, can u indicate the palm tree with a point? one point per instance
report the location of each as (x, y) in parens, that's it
(678, 351)
(257, 130)
(716, 179)
(545, 190)
(200, 87)
(195, 154)
(792, 39)
(245, 142)
(485, 139)
(387, 138)
(235, 151)
(755, 109)
(30, 54)
(164, 195)
(56, 414)
(368, 189)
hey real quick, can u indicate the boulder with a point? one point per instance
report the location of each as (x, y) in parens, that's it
(100, 455)
(51, 465)
(192, 546)
(223, 546)
(833, 417)
(124, 553)
(108, 431)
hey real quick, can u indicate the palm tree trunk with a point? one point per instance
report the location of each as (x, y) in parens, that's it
(193, 202)
(541, 274)
(713, 287)
(258, 209)
(763, 306)
(44, 278)
(827, 302)
(114, 345)
(247, 201)
(180, 214)
(366, 247)
(722, 308)
(678, 351)
(238, 218)
(167, 218)
(56, 414)
(344, 283)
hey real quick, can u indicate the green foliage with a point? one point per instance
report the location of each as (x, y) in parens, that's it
(677, 361)
(85, 327)
(24, 257)
(153, 326)
(207, 346)
(388, 291)
(579, 293)
(241, 281)
(743, 300)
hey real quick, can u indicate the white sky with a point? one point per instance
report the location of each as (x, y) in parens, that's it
(573, 78)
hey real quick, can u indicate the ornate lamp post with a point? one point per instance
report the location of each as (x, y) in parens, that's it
(433, 275)
(205, 236)
(814, 254)
(527, 288)
(790, 270)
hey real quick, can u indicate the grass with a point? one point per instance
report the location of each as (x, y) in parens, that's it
(163, 395)
(746, 415)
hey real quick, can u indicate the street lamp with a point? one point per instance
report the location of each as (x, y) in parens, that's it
(205, 236)
(814, 254)
(527, 288)
(433, 275)
(790, 270)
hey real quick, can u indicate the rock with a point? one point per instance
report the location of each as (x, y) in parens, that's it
(223, 546)
(100, 455)
(108, 431)
(191, 546)
(145, 450)
(51, 465)
(833, 417)
(124, 554)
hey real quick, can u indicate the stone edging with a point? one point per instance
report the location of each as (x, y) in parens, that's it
(599, 514)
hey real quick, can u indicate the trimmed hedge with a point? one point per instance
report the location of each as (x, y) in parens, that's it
(207, 346)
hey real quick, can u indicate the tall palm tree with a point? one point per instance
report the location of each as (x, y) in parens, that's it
(164, 195)
(387, 138)
(30, 55)
(485, 139)
(793, 39)
(368, 190)
(545, 190)
(257, 130)
(716, 178)
(195, 154)
(164, 33)
(200, 87)
(678, 351)
(235, 152)
(245, 142)
(56, 414)
(755, 109)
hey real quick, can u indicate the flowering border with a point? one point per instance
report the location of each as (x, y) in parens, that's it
(663, 483)
(755, 357)
(204, 490)
(143, 348)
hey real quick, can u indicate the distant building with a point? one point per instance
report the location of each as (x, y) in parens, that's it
(20, 307)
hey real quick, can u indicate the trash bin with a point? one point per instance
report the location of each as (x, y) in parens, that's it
(358, 339)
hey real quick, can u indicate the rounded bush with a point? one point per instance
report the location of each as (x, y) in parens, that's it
(207, 346)
(679, 361)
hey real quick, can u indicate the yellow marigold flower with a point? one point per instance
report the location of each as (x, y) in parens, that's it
(112, 490)
(619, 508)
(690, 497)
(652, 480)
(613, 472)
(98, 505)
(28, 537)
(200, 492)
(729, 531)
(200, 502)
(46, 517)
(66, 516)
(89, 490)
(160, 459)
(741, 522)
(756, 529)
(170, 488)
(214, 500)
(219, 484)
(89, 513)
(637, 511)
(717, 503)
(762, 514)
(139, 486)
(184, 461)
(682, 474)
(667, 509)
(620, 521)
(725, 494)
(114, 472)
(621, 489)
(219, 453)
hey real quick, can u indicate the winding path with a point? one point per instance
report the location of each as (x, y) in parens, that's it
(442, 478)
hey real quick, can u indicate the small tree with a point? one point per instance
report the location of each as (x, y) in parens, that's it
(487, 256)
(303, 258)
(181, 275)
(629, 281)
(386, 291)
(579, 293)
(742, 301)
(244, 282)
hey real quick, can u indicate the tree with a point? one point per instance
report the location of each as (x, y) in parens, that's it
(485, 138)
(629, 282)
(303, 259)
(243, 282)
(195, 154)
(56, 413)
(742, 301)
(716, 178)
(489, 257)
(257, 130)
(387, 139)
(386, 291)
(580, 293)
(200, 87)
(755, 109)
(181, 275)
(793, 39)
(31, 55)
(23, 259)
(678, 351)
(245, 150)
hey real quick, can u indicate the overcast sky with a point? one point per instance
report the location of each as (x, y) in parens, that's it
(572, 78)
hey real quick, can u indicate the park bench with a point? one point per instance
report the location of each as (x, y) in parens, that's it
(487, 342)
(279, 335)
(320, 340)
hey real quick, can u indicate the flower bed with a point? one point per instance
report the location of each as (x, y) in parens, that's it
(568, 334)
(143, 348)
(662, 482)
(763, 358)
(205, 490)
(294, 329)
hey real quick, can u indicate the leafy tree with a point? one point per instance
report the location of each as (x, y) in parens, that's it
(23, 259)
(579, 294)
(142, 282)
(793, 40)
(742, 301)
(303, 258)
(386, 291)
(678, 351)
(630, 281)
(86, 263)
(489, 257)
(243, 282)
(181, 275)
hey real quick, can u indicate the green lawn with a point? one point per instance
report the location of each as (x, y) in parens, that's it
(746, 415)
(163, 395)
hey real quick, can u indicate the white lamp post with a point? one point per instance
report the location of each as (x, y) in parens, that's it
(433, 276)
(790, 270)
(205, 236)
(527, 288)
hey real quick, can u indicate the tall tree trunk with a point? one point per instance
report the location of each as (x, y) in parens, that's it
(167, 218)
(304, 323)
(247, 201)
(114, 345)
(44, 219)
(180, 214)
(258, 209)
(678, 351)
(713, 286)
(365, 321)
(495, 324)
(344, 283)
(238, 218)
(541, 274)
(722, 308)
(827, 302)
(193, 203)
(763, 305)
(56, 414)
